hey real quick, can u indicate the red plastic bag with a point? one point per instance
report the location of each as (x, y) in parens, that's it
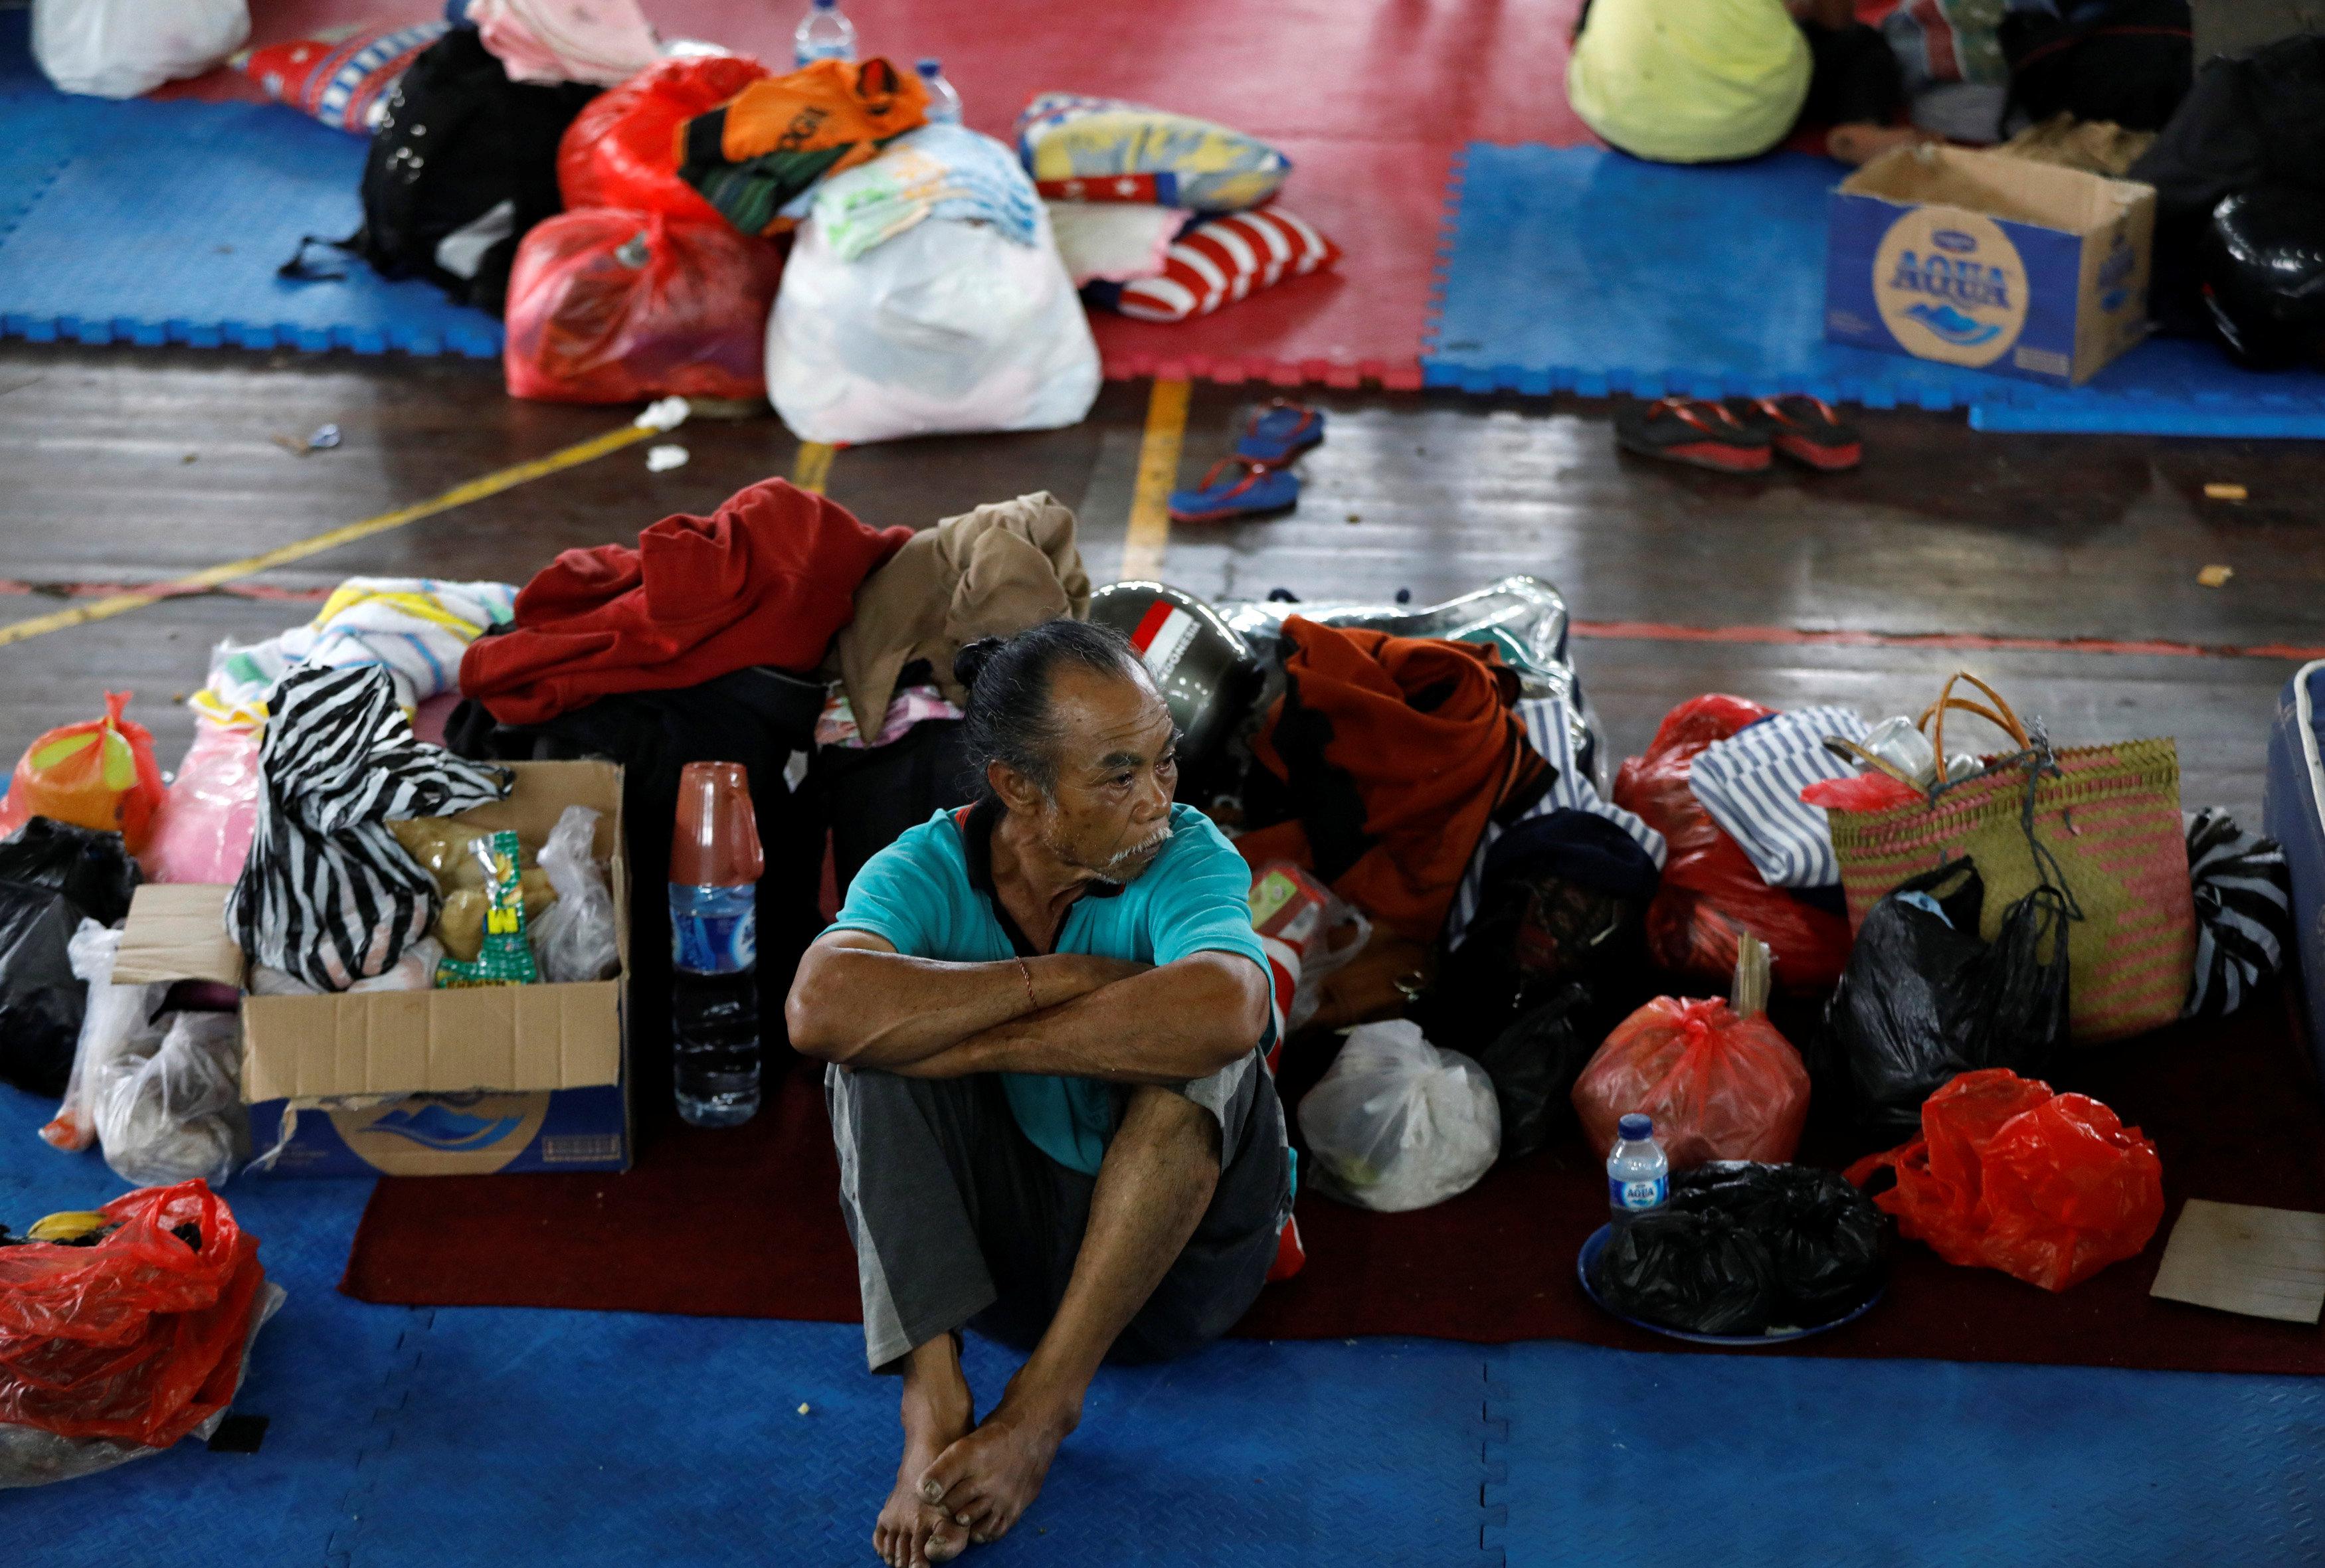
(100, 774)
(1710, 893)
(1863, 792)
(609, 307)
(137, 1339)
(2049, 1188)
(1719, 1086)
(621, 150)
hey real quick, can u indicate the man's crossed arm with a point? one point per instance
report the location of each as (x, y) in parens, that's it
(857, 1001)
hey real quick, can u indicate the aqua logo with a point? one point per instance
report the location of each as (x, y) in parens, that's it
(1959, 282)
(1949, 285)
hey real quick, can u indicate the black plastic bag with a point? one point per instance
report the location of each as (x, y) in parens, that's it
(2261, 263)
(1697, 1272)
(1924, 999)
(1823, 1236)
(92, 868)
(1533, 1064)
(52, 876)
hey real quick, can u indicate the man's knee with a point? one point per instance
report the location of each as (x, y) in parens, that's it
(1171, 1124)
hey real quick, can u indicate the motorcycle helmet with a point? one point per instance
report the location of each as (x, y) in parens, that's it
(1203, 668)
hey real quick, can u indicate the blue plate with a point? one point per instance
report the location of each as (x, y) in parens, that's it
(1598, 1244)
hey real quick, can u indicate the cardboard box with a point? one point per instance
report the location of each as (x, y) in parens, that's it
(424, 1083)
(1976, 259)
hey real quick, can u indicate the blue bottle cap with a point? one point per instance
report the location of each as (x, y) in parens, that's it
(1635, 1128)
(929, 68)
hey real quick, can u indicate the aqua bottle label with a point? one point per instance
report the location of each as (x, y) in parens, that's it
(1636, 1197)
(714, 931)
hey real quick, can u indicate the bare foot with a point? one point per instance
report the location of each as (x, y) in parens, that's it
(938, 1412)
(987, 1480)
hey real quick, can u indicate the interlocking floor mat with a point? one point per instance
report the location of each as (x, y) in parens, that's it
(163, 222)
(1577, 269)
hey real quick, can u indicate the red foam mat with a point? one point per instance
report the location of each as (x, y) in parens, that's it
(1370, 99)
(746, 1223)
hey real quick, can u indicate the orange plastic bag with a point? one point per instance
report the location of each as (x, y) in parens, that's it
(2049, 1188)
(136, 1339)
(1711, 894)
(1719, 1080)
(621, 150)
(607, 307)
(100, 774)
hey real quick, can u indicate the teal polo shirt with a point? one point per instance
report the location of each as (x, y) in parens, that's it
(930, 894)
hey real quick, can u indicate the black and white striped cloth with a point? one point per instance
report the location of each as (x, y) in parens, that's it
(1751, 784)
(2244, 912)
(1548, 726)
(328, 893)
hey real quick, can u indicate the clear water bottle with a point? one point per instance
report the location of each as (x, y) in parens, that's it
(944, 102)
(715, 863)
(1638, 1176)
(823, 34)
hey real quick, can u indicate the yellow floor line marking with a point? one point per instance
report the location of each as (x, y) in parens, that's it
(251, 565)
(812, 466)
(1149, 535)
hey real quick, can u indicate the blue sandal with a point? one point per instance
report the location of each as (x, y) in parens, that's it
(1237, 487)
(1279, 433)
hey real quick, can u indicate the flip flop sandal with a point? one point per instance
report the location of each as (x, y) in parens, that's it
(1803, 429)
(1279, 433)
(1237, 487)
(1694, 431)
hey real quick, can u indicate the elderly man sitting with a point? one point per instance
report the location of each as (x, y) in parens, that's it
(1044, 1014)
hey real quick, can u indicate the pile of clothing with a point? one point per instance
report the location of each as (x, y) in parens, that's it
(1162, 216)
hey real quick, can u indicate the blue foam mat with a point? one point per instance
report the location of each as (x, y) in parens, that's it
(164, 223)
(1606, 1457)
(1575, 268)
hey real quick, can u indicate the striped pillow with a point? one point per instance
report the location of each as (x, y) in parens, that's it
(1219, 260)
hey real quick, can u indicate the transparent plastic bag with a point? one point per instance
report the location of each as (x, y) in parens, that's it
(169, 1110)
(574, 940)
(122, 48)
(116, 1015)
(138, 1338)
(607, 307)
(950, 327)
(203, 832)
(100, 774)
(1399, 1124)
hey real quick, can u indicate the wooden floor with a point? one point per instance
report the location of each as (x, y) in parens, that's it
(128, 466)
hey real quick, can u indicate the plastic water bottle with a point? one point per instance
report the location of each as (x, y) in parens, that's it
(823, 34)
(944, 102)
(715, 862)
(1638, 1176)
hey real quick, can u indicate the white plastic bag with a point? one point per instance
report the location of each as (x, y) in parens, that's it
(118, 49)
(574, 938)
(115, 1016)
(171, 1111)
(950, 326)
(415, 971)
(1399, 1124)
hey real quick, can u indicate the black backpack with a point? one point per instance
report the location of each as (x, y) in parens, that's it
(463, 164)
(2130, 61)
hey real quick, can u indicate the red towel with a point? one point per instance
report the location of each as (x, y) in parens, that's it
(1397, 750)
(767, 580)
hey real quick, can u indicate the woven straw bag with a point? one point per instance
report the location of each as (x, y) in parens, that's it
(2106, 819)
